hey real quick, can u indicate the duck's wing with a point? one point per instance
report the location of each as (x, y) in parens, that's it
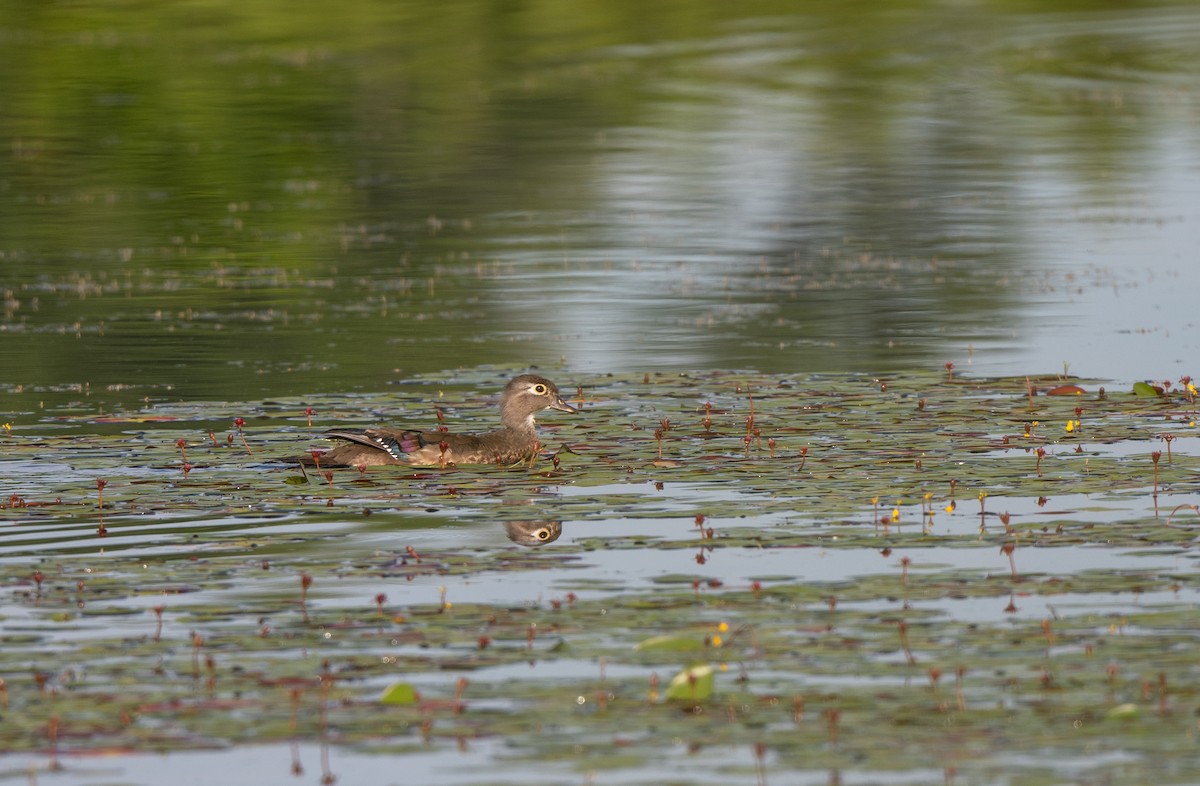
(374, 446)
(397, 444)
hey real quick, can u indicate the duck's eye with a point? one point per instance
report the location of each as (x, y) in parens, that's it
(542, 534)
(539, 389)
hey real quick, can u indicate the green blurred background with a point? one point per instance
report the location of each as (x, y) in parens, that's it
(217, 200)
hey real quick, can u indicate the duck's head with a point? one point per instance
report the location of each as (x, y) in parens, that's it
(527, 395)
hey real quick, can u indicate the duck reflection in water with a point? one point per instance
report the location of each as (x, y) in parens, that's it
(532, 533)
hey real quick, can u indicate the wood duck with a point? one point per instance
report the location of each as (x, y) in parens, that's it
(522, 399)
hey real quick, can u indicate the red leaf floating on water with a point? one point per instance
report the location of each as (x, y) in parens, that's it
(1066, 390)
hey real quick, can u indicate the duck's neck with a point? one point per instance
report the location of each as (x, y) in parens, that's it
(520, 425)
(511, 443)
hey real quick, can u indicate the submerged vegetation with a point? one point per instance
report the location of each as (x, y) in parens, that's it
(743, 575)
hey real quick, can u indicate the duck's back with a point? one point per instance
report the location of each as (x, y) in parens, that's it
(379, 446)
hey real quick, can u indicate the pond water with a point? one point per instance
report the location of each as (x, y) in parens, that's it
(795, 212)
(231, 205)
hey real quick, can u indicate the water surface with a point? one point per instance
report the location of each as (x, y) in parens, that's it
(210, 203)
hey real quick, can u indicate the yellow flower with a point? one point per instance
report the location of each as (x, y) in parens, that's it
(1070, 426)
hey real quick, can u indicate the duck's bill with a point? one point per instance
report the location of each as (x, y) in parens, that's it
(563, 406)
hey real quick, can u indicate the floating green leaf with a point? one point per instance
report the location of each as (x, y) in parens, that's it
(693, 684)
(400, 693)
(669, 644)
(1124, 712)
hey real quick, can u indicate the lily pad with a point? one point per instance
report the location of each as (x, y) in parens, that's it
(693, 684)
(667, 643)
(400, 693)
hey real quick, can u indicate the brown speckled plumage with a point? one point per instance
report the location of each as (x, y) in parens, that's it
(522, 399)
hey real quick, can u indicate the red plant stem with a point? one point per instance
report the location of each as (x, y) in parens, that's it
(1008, 549)
(904, 643)
(239, 422)
(197, 642)
(935, 676)
(305, 582)
(831, 718)
(459, 689)
(327, 776)
(52, 737)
